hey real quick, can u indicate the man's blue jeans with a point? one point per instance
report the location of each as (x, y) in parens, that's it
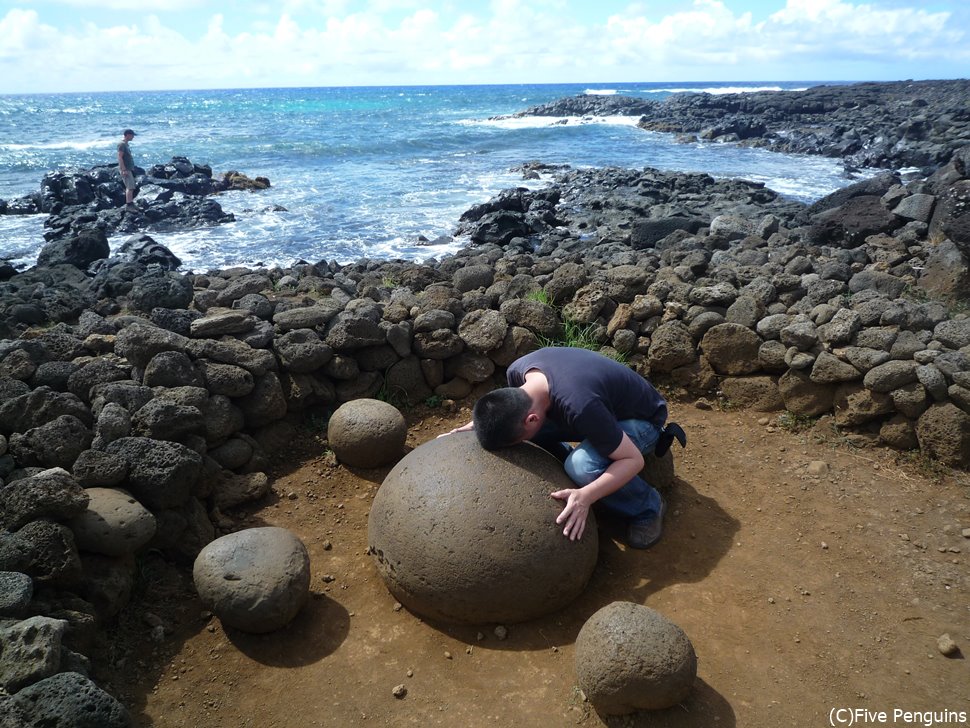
(635, 501)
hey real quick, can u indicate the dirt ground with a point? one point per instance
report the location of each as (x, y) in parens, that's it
(810, 575)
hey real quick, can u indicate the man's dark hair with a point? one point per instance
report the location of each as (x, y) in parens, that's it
(499, 417)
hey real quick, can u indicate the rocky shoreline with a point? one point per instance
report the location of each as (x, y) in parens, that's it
(889, 125)
(138, 404)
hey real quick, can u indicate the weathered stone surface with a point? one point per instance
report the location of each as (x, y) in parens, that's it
(255, 580)
(829, 369)
(891, 375)
(164, 419)
(406, 379)
(30, 651)
(69, 700)
(37, 408)
(659, 471)
(160, 474)
(52, 493)
(802, 396)
(307, 317)
(855, 405)
(108, 582)
(732, 349)
(671, 346)
(483, 330)
(114, 524)
(16, 590)
(532, 315)
(477, 541)
(758, 393)
(171, 369)
(265, 403)
(944, 433)
(227, 379)
(302, 351)
(367, 433)
(899, 432)
(231, 490)
(55, 444)
(630, 658)
(52, 556)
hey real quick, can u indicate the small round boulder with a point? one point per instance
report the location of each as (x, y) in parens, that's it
(630, 657)
(255, 580)
(114, 524)
(367, 433)
(464, 535)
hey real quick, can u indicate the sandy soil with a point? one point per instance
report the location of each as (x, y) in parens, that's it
(810, 576)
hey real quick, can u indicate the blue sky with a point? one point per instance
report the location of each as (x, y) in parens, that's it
(106, 45)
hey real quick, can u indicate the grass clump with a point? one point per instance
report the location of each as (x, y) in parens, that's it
(795, 423)
(540, 296)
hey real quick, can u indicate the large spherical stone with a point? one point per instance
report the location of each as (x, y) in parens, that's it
(114, 524)
(630, 657)
(254, 580)
(461, 534)
(367, 433)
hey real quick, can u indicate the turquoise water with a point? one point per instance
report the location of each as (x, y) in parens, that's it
(362, 172)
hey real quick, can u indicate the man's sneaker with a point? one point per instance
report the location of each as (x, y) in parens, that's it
(644, 534)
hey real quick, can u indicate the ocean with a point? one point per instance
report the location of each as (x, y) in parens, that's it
(356, 172)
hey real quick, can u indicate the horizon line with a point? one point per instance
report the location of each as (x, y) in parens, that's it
(810, 82)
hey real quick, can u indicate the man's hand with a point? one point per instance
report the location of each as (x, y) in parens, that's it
(575, 513)
(464, 428)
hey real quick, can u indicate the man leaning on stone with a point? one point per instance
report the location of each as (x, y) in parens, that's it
(562, 395)
(126, 167)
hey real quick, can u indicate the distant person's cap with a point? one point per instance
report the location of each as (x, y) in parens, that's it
(128, 131)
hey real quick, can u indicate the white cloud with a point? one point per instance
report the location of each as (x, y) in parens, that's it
(316, 42)
(138, 5)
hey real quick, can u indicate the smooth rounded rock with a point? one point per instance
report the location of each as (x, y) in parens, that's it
(630, 657)
(461, 534)
(114, 524)
(367, 433)
(255, 580)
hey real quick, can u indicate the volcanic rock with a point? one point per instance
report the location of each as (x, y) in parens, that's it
(367, 433)
(630, 657)
(255, 580)
(461, 534)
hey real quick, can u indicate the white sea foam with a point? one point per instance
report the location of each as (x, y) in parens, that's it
(539, 122)
(600, 92)
(80, 146)
(717, 90)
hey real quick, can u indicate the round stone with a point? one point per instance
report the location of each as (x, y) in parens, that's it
(461, 534)
(255, 580)
(115, 523)
(367, 433)
(630, 657)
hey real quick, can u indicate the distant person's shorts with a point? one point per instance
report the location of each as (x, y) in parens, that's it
(129, 179)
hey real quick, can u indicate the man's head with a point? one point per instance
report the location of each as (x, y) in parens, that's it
(505, 417)
(128, 134)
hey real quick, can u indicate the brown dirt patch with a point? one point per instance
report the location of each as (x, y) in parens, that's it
(808, 574)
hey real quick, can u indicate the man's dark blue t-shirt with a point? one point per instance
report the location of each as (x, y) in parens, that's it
(591, 393)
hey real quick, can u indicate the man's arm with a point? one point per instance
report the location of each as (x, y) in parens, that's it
(121, 162)
(464, 428)
(627, 462)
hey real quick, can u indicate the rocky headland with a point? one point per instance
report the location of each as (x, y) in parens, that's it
(890, 125)
(139, 403)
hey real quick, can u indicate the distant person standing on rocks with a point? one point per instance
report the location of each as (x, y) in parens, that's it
(126, 166)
